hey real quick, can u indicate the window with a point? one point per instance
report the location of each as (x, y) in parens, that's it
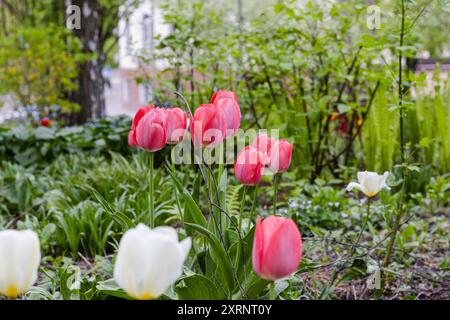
(126, 90)
(145, 94)
(147, 28)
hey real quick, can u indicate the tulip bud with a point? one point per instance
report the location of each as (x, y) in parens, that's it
(227, 102)
(149, 261)
(208, 126)
(20, 256)
(370, 183)
(223, 94)
(277, 248)
(280, 155)
(45, 122)
(151, 132)
(137, 117)
(249, 166)
(263, 143)
(176, 124)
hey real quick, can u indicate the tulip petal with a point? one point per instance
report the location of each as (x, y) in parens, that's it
(280, 155)
(283, 252)
(186, 247)
(384, 179)
(149, 261)
(276, 248)
(353, 185)
(19, 260)
(258, 247)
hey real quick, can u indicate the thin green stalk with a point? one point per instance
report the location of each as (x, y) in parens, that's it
(241, 211)
(402, 142)
(272, 290)
(222, 216)
(176, 191)
(396, 225)
(252, 210)
(355, 245)
(400, 84)
(276, 178)
(151, 187)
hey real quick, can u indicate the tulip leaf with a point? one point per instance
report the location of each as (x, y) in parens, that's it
(193, 213)
(117, 216)
(218, 253)
(111, 288)
(198, 287)
(255, 286)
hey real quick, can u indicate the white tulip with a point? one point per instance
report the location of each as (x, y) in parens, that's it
(149, 261)
(370, 183)
(20, 256)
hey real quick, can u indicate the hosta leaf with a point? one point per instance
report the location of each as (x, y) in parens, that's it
(198, 287)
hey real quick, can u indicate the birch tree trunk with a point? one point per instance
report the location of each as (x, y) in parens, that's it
(91, 84)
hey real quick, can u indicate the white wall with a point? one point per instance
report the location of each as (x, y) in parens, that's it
(136, 34)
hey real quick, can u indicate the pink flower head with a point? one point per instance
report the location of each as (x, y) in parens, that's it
(208, 126)
(137, 117)
(263, 143)
(277, 248)
(227, 102)
(280, 155)
(151, 132)
(249, 166)
(176, 123)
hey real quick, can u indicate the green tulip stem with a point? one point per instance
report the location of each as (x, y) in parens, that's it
(276, 179)
(176, 190)
(272, 290)
(362, 228)
(252, 210)
(241, 211)
(151, 187)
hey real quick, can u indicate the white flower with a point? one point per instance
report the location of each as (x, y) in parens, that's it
(149, 261)
(370, 183)
(20, 256)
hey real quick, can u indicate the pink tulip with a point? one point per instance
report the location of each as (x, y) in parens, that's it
(263, 143)
(227, 102)
(137, 117)
(176, 124)
(249, 166)
(132, 138)
(208, 126)
(223, 94)
(277, 248)
(151, 132)
(280, 155)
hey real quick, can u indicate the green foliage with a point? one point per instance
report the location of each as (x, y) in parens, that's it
(380, 134)
(39, 66)
(39, 146)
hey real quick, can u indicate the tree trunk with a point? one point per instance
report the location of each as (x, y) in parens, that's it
(90, 92)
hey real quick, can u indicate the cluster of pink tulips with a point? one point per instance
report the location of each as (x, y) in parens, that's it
(154, 127)
(277, 241)
(264, 152)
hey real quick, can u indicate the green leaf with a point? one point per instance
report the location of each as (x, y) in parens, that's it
(111, 288)
(118, 217)
(218, 253)
(43, 133)
(193, 213)
(198, 287)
